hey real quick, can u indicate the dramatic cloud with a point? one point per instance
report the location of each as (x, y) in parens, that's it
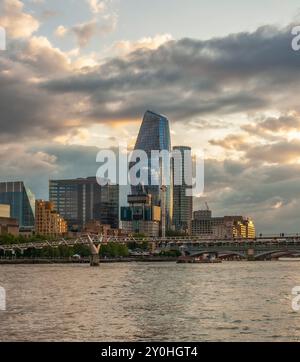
(274, 125)
(17, 23)
(124, 47)
(239, 92)
(187, 78)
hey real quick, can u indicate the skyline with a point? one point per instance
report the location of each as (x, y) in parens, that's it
(235, 96)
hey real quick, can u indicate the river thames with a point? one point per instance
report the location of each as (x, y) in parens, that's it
(232, 301)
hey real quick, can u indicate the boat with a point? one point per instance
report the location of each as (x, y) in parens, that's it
(207, 261)
(289, 259)
(195, 260)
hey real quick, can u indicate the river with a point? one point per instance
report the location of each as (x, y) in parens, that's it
(232, 301)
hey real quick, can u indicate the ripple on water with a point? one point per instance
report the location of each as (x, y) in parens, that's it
(147, 302)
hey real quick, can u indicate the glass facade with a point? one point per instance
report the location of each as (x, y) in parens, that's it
(21, 201)
(79, 201)
(154, 135)
(183, 203)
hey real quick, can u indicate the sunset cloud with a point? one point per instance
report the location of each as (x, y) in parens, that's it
(17, 23)
(234, 96)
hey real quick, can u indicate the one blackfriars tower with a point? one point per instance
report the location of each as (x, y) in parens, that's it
(154, 135)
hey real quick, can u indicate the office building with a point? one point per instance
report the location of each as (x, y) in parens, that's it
(21, 201)
(141, 216)
(182, 182)
(47, 221)
(8, 225)
(154, 135)
(4, 210)
(81, 200)
(226, 227)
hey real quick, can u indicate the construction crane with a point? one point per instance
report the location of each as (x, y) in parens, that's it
(207, 207)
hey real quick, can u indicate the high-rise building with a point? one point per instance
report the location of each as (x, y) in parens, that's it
(47, 221)
(154, 135)
(182, 183)
(81, 200)
(21, 201)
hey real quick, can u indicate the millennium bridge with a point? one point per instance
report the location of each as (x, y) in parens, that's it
(260, 248)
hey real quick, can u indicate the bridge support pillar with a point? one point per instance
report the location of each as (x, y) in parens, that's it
(94, 260)
(95, 250)
(250, 255)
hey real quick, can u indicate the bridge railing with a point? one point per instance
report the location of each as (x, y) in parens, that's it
(87, 239)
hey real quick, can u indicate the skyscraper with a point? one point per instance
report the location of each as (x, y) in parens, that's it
(81, 200)
(154, 135)
(182, 203)
(21, 201)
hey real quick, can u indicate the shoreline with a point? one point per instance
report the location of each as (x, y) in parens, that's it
(32, 261)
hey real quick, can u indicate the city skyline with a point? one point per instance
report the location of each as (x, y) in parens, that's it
(234, 96)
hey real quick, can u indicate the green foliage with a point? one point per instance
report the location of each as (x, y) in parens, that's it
(10, 239)
(114, 250)
(110, 250)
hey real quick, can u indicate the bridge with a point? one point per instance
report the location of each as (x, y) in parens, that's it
(261, 248)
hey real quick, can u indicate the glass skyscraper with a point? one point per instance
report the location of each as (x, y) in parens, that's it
(81, 200)
(21, 201)
(183, 203)
(154, 135)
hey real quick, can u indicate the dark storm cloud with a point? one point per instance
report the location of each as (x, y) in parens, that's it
(184, 78)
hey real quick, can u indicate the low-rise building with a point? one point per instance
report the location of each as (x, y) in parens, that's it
(4, 210)
(222, 227)
(9, 226)
(141, 217)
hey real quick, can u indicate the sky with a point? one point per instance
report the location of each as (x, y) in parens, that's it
(78, 75)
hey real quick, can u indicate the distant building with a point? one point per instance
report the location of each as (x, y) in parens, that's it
(141, 216)
(96, 227)
(154, 135)
(202, 223)
(81, 200)
(47, 221)
(9, 226)
(182, 203)
(4, 210)
(21, 201)
(222, 227)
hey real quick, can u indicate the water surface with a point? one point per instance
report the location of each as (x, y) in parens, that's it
(232, 301)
